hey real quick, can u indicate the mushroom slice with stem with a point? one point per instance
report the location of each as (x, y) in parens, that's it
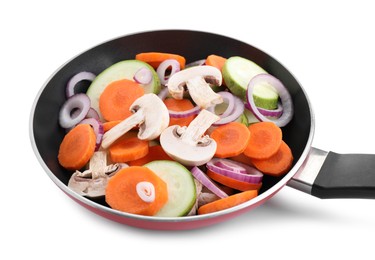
(149, 113)
(197, 80)
(189, 145)
(93, 182)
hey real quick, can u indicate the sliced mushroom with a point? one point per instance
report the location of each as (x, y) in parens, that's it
(189, 145)
(206, 196)
(93, 182)
(149, 113)
(195, 80)
(198, 190)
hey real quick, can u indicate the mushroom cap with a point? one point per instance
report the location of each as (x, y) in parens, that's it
(149, 113)
(93, 182)
(186, 153)
(156, 116)
(178, 80)
(91, 185)
(88, 187)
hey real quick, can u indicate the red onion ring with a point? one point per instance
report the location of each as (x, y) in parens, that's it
(162, 69)
(195, 63)
(98, 130)
(202, 178)
(268, 112)
(78, 102)
(229, 165)
(181, 114)
(284, 95)
(143, 76)
(84, 75)
(229, 98)
(252, 175)
(239, 108)
(272, 113)
(93, 114)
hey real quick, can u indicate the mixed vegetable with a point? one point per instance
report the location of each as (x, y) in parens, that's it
(160, 137)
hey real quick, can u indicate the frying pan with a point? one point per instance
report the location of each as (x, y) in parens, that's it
(317, 172)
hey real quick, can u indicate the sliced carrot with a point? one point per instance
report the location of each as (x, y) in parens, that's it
(128, 148)
(77, 147)
(242, 158)
(155, 58)
(228, 202)
(122, 194)
(233, 183)
(155, 152)
(117, 97)
(231, 139)
(179, 105)
(265, 140)
(110, 124)
(278, 164)
(215, 61)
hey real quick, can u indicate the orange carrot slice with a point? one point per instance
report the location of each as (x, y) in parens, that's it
(227, 202)
(128, 148)
(155, 152)
(242, 158)
(215, 61)
(110, 124)
(155, 58)
(179, 105)
(77, 147)
(265, 140)
(136, 190)
(117, 97)
(233, 183)
(231, 139)
(278, 164)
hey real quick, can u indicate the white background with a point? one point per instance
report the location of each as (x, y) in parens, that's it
(329, 47)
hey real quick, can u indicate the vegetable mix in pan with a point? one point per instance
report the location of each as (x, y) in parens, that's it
(160, 137)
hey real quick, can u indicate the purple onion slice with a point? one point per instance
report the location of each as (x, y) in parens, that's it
(286, 99)
(239, 108)
(195, 63)
(143, 76)
(68, 116)
(98, 130)
(163, 67)
(229, 99)
(269, 112)
(181, 114)
(202, 178)
(84, 75)
(93, 114)
(252, 175)
(229, 165)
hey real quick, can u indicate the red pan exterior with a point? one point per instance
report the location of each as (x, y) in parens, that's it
(181, 224)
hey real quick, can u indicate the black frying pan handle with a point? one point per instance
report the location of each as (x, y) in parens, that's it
(339, 176)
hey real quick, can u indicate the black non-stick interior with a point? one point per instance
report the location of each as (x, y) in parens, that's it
(191, 44)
